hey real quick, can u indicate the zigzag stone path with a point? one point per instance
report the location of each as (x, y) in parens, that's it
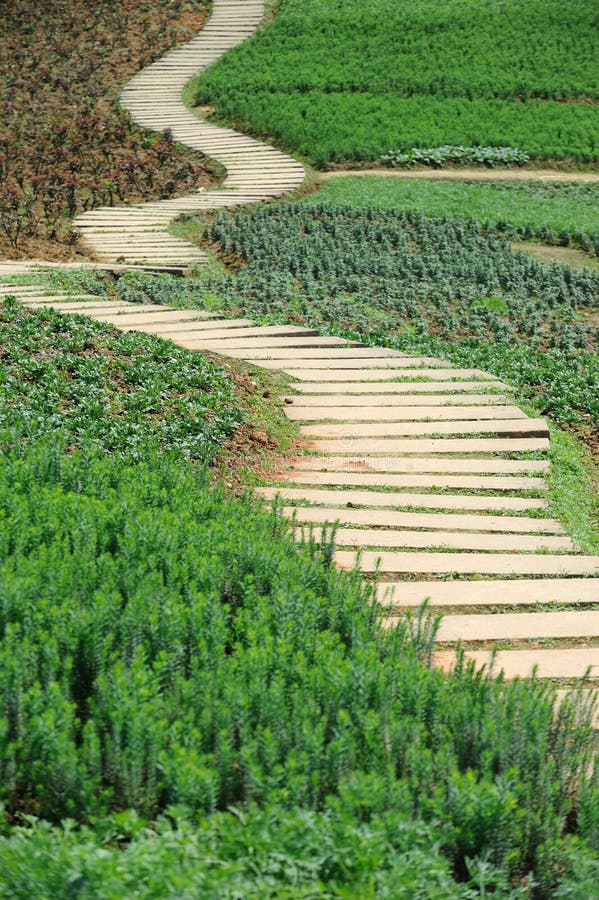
(426, 466)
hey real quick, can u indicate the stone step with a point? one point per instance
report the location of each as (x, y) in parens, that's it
(376, 413)
(51, 299)
(224, 345)
(278, 331)
(523, 427)
(382, 518)
(371, 375)
(491, 465)
(311, 403)
(438, 563)
(512, 592)
(399, 388)
(349, 357)
(519, 626)
(397, 539)
(20, 290)
(144, 317)
(350, 361)
(391, 499)
(76, 305)
(388, 446)
(401, 480)
(98, 310)
(81, 309)
(203, 325)
(563, 663)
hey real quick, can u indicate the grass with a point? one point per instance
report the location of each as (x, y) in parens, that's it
(573, 489)
(529, 208)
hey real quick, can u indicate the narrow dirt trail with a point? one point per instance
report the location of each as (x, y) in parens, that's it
(425, 465)
(467, 174)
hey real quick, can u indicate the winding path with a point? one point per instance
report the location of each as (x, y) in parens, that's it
(426, 466)
(255, 171)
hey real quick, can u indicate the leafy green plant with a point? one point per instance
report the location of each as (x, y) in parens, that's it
(419, 284)
(439, 156)
(557, 213)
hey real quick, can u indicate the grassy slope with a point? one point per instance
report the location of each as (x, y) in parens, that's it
(165, 648)
(348, 81)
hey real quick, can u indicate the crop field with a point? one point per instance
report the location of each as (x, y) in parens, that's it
(350, 81)
(65, 146)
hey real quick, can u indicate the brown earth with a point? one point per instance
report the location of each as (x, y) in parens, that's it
(466, 173)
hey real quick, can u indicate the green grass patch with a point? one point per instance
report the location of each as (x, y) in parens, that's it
(531, 209)
(349, 81)
(573, 497)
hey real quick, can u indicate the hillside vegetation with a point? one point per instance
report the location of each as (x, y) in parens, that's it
(346, 80)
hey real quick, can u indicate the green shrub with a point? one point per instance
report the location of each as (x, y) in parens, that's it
(162, 645)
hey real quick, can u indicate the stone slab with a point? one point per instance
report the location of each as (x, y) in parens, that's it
(279, 331)
(390, 499)
(149, 318)
(224, 345)
(385, 413)
(328, 375)
(519, 626)
(468, 563)
(384, 518)
(310, 402)
(396, 539)
(350, 356)
(183, 328)
(399, 388)
(484, 592)
(490, 465)
(94, 310)
(419, 480)
(387, 446)
(524, 427)
(568, 664)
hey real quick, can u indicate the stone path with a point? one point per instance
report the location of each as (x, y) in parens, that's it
(436, 478)
(255, 171)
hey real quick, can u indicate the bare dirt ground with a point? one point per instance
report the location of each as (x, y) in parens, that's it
(569, 256)
(467, 174)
